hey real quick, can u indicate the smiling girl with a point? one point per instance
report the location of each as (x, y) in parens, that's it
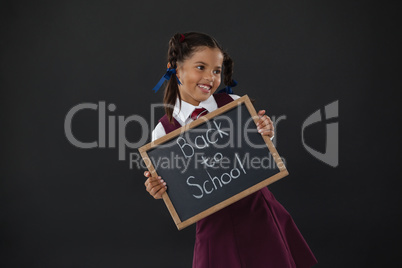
(256, 231)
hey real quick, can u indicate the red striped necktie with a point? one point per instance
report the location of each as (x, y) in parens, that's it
(198, 113)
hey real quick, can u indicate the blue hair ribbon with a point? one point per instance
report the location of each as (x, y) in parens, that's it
(228, 89)
(166, 77)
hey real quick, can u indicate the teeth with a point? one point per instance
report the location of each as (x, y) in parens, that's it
(205, 87)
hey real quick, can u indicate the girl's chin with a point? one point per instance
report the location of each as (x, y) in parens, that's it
(205, 92)
(197, 97)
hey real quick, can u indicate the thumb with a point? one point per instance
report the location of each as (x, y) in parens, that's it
(261, 113)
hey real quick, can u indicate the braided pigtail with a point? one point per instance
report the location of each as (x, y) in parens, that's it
(227, 74)
(227, 69)
(172, 88)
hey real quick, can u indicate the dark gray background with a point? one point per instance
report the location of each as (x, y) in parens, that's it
(62, 206)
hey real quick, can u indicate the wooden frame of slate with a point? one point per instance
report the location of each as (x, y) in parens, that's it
(193, 193)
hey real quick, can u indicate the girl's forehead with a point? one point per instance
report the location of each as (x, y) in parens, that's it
(207, 54)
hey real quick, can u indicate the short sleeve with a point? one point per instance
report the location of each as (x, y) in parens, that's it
(158, 132)
(234, 97)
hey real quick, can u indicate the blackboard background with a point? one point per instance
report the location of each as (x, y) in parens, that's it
(62, 206)
(251, 145)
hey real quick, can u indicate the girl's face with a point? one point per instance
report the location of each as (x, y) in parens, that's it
(200, 75)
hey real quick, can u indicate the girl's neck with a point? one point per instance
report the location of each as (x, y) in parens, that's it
(191, 101)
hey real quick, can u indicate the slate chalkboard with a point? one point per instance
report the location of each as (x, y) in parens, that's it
(213, 162)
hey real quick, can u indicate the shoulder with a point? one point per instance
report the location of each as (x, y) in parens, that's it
(224, 95)
(223, 98)
(158, 132)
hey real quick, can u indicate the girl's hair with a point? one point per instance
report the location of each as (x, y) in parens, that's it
(181, 47)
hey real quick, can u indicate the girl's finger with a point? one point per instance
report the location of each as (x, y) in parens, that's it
(260, 121)
(152, 191)
(159, 194)
(155, 184)
(268, 122)
(269, 133)
(261, 113)
(264, 121)
(155, 191)
(152, 179)
(266, 128)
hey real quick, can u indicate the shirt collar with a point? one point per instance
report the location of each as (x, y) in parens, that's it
(187, 108)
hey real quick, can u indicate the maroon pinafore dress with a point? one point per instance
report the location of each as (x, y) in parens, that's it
(254, 232)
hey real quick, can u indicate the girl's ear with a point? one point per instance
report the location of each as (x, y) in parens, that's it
(177, 69)
(178, 72)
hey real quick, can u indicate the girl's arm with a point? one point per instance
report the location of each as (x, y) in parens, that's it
(155, 185)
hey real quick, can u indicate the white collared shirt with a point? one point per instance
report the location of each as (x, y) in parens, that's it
(183, 115)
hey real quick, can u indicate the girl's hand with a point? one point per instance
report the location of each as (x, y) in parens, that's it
(265, 125)
(155, 186)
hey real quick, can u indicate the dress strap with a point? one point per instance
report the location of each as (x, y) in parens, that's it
(169, 127)
(222, 99)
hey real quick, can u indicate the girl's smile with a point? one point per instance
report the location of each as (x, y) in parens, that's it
(200, 75)
(205, 88)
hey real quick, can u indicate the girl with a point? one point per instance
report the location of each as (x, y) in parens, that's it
(256, 231)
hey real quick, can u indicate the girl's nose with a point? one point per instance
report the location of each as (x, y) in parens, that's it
(209, 77)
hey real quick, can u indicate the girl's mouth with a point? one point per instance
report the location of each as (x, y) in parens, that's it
(204, 88)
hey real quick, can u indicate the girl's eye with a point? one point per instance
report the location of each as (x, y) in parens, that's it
(200, 67)
(217, 72)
